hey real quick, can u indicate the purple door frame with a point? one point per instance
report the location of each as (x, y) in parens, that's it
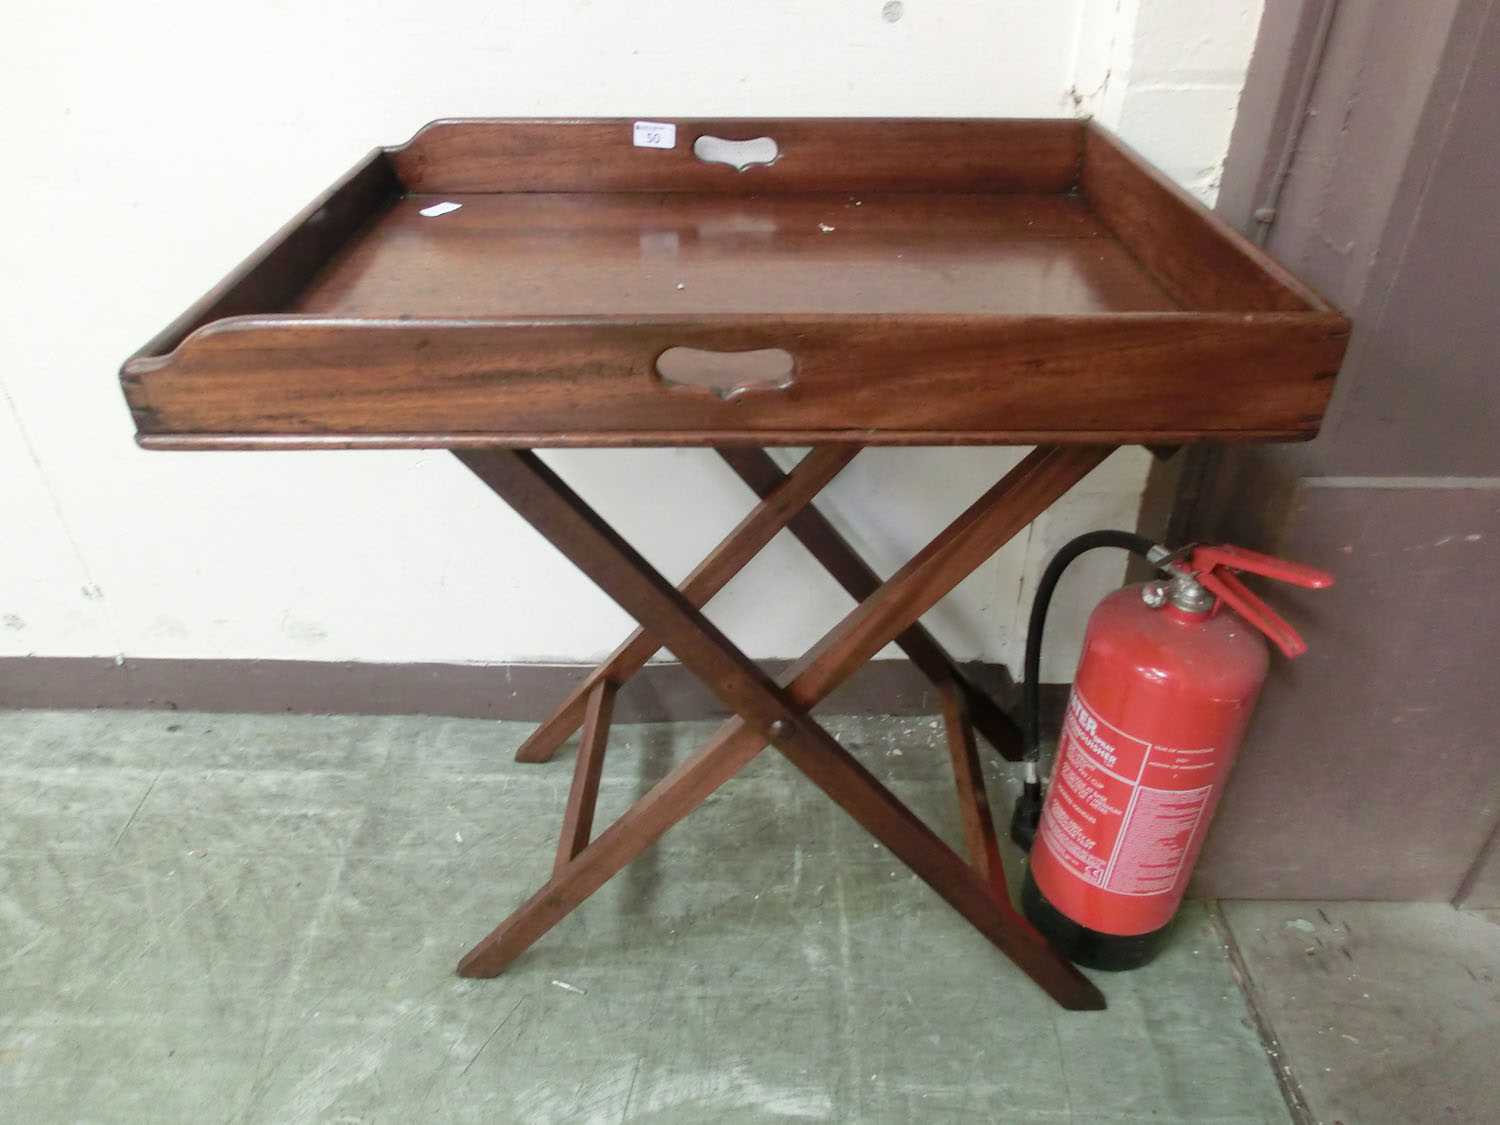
(1372, 769)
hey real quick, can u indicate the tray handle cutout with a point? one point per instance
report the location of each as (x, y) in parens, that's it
(726, 375)
(739, 155)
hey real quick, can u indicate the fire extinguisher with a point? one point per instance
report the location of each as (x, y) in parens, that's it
(1170, 672)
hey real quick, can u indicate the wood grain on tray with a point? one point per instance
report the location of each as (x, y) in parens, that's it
(927, 282)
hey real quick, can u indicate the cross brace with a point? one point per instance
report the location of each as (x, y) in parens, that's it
(775, 712)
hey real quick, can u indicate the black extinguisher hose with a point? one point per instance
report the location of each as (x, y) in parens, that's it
(1028, 811)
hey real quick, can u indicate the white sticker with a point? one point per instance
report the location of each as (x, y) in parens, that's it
(440, 209)
(655, 134)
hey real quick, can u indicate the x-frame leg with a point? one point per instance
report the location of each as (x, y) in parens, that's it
(776, 713)
(785, 501)
(779, 504)
(812, 529)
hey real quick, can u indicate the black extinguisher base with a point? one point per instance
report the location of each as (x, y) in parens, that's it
(1111, 953)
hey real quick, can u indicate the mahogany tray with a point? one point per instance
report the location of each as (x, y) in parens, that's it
(757, 282)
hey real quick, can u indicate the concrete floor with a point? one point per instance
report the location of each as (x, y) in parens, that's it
(255, 918)
(1380, 1011)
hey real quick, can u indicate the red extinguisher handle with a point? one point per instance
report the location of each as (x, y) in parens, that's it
(1215, 567)
(1206, 558)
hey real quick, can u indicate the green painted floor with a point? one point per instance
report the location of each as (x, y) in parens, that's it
(255, 918)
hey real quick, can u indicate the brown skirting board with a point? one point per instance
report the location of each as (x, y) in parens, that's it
(524, 692)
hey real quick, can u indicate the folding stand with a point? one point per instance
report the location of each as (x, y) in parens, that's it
(776, 713)
(493, 287)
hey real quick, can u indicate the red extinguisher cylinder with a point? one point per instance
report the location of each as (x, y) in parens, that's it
(1168, 678)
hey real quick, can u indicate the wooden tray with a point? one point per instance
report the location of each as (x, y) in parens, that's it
(894, 282)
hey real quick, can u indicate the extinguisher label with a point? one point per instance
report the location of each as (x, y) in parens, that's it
(1154, 839)
(1122, 814)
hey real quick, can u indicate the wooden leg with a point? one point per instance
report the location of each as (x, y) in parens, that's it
(669, 800)
(854, 789)
(578, 817)
(835, 555)
(791, 494)
(981, 530)
(1033, 485)
(771, 713)
(973, 802)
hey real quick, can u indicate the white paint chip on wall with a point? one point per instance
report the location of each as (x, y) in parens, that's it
(170, 174)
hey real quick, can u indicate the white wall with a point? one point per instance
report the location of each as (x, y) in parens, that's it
(1167, 75)
(152, 145)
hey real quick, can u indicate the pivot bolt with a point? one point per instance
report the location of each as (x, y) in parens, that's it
(780, 728)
